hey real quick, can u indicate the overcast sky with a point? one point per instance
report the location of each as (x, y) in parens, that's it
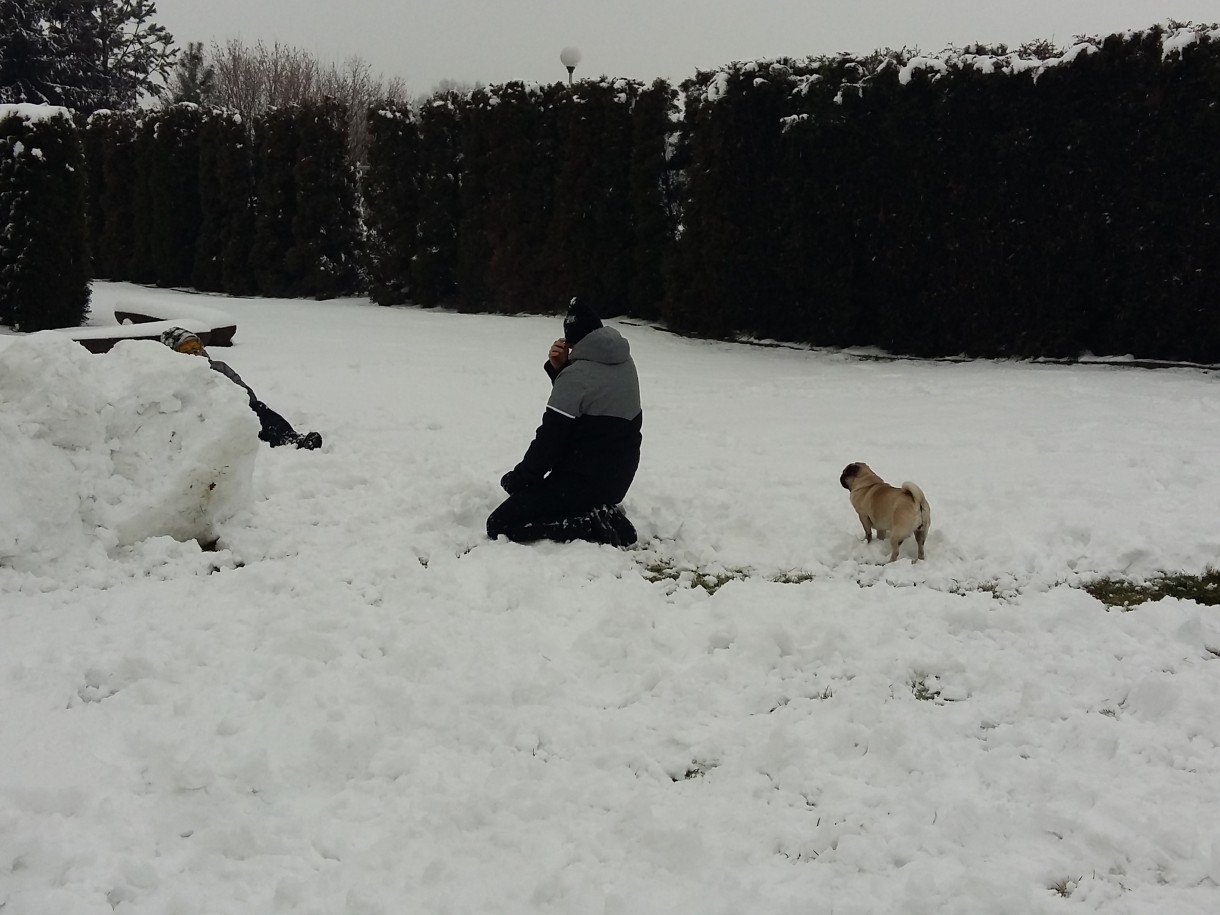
(494, 41)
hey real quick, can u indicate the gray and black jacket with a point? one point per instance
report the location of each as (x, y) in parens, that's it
(275, 429)
(590, 436)
(225, 369)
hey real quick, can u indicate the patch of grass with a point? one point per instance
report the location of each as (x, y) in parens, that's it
(922, 690)
(695, 770)
(827, 693)
(1066, 886)
(711, 582)
(1113, 592)
(1117, 592)
(713, 579)
(983, 587)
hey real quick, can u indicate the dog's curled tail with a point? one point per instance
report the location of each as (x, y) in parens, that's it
(925, 510)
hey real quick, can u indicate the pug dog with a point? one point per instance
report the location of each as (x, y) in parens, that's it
(898, 511)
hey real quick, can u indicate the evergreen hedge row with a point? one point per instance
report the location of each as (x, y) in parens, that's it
(980, 203)
(985, 204)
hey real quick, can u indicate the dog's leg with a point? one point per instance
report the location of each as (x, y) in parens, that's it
(894, 545)
(868, 529)
(880, 534)
(921, 534)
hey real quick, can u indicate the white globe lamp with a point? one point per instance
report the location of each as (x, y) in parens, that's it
(570, 57)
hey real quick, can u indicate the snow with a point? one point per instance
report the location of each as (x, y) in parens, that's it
(916, 64)
(33, 113)
(149, 303)
(986, 63)
(359, 704)
(1174, 38)
(1177, 40)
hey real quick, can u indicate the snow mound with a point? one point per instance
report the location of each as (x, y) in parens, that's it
(99, 452)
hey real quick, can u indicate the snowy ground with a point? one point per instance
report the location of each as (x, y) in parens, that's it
(359, 705)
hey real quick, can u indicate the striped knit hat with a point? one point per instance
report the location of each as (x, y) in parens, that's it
(177, 337)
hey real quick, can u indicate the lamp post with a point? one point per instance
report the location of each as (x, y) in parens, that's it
(570, 57)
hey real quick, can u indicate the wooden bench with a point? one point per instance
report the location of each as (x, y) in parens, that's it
(221, 325)
(215, 336)
(100, 338)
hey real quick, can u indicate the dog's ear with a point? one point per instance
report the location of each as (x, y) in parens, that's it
(848, 472)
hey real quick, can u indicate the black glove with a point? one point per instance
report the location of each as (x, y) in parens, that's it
(516, 480)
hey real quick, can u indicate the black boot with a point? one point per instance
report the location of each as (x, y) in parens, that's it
(605, 524)
(623, 529)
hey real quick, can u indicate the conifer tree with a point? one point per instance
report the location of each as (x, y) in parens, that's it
(589, 250)
(174, 194)
(28, 61)
(142, 267)
(434, 266)
(83, 55)
(276, 148)
(306, 228)
(520, 180)
(726, 276)
(73, 32)
(653, 185)
(820, 250)
(117, 196)
(134, 55)
(93, 142)
(235, 174)
(1185, 200)
(44, 254)
(473, 246)
(326, 223)
(391, 192)
(193, 79)
(221, 262)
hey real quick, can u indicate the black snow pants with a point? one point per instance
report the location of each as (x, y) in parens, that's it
(560, 512)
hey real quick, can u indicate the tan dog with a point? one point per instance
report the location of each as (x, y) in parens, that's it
(897, 510)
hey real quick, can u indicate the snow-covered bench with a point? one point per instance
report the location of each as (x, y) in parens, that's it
(221, 326)
(99, 338)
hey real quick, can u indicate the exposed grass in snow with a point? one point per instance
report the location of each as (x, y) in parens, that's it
(1113, 592)
(1066, 886)
(1117, 592)
(712, 579)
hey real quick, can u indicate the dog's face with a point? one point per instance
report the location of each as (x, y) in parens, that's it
(852, 472)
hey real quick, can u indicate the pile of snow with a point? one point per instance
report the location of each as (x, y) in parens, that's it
(101, 452)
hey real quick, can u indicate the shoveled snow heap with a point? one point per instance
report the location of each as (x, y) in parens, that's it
(114, 449)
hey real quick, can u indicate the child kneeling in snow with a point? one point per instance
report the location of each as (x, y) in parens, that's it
(585, 454)
(276, 430)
